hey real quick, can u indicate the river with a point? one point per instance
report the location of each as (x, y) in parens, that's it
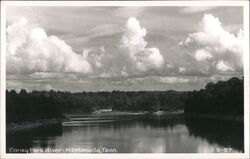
(131, 133)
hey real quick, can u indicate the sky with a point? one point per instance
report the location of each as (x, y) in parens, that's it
(122, 48)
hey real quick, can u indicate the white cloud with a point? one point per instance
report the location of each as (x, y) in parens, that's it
(186, 42)
(16, 35)
(172, 80)
(202, 54)
(223, 67)
(213, 34)
(133, 42)
(131, 59)
(212, 42)
(95, 56)
(182, 69)
(31, 50)
(46, 87)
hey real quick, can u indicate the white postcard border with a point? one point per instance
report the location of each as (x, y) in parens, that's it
(244, 4)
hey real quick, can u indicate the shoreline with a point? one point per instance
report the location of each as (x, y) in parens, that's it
(122, 113)
(27, 125)
(239, 118)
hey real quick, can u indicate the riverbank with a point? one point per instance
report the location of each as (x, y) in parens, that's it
(13, 127)
(238, 118)
(114, 113)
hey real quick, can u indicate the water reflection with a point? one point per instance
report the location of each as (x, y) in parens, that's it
(225, 133)
(136, 134)
(40, 137)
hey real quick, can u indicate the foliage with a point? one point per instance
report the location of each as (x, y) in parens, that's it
(223, 97)
(25, 105)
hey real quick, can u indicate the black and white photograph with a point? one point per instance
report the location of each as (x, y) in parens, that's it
(125, 78)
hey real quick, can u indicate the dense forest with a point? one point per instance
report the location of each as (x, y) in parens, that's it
(223, 97)
(33, 105)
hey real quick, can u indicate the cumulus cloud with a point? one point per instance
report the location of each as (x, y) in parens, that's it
(213, 43)
(223, 67)
(31, 50)
(172, 80)
(214, 35)
(182, 69)
(132, 57)
(143, 57)
(95, 56)
(202, 54)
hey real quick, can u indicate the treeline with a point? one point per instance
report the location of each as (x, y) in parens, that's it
(24, 106)
(223, 97)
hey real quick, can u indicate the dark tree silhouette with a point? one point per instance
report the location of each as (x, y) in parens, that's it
(217, 98)
(25, 106)
(223, 97)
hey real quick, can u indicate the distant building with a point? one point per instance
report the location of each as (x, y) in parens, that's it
(105, 110)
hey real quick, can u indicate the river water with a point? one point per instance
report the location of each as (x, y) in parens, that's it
(131, 134)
